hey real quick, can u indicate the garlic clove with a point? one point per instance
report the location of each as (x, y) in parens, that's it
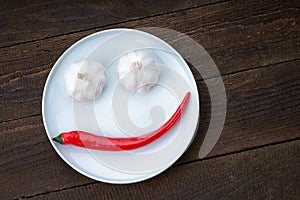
(129, 81)
(150, 76)
(84, 80)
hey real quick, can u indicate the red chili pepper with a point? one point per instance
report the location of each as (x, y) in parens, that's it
(91, 141)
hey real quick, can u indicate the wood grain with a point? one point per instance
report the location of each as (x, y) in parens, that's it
(266, 173)
(233, 42)
(262, 105)
(13, 5)
(53, 18)
(261, 110)
(256, 46)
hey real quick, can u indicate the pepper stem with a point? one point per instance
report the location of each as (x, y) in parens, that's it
(58, 139)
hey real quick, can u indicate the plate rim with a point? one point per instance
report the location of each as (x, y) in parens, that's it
(148, 175)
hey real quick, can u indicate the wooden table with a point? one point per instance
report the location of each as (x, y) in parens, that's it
(256, 46)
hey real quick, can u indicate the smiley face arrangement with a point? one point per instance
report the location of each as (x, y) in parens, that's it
(85, 80)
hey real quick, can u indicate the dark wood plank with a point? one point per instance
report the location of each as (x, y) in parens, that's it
(266, 173)
(13, 5)
(54, 18)
(35, 167)
(262, 107)
(233, 41)
(261, 110)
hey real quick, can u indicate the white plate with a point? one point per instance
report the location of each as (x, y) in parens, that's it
(108, 113)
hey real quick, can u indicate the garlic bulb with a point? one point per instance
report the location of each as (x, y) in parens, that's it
(84, 80)
(138, 71)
